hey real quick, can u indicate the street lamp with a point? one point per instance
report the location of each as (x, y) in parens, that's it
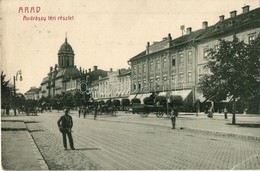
(18, 73)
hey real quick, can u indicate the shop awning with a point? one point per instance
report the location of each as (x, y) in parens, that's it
(162, 94)
(138, 96)
(144, 96)
(130, 97)
(183, 93)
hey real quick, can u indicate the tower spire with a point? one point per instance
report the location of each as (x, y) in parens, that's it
(66, 37)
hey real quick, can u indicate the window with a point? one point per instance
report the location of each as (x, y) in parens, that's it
(144, 68)
(135, 69)
(181, 78)
(139, 86)
(205, 53)
(173, 60)
(139, 69)
(173, 79)
(181, 58)
(151, 66)
(181, 70)
(134, 86)
(189, 56)
(189, 77)
(164, 62)
(251, 38)
(157, 64)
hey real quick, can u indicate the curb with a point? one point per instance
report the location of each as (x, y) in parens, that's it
(224, 134)
(37, 153)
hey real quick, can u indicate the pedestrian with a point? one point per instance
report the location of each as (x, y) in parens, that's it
(80, 109)
(85, 112)
(225, 112)
(173, 115)
(96, 111)
(65, 124)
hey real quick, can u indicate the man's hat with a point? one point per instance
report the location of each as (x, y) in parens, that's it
(66, 110)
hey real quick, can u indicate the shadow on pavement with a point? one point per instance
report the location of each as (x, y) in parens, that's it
(87, 149)
(28, 122)
(38, 130)
(247, 125)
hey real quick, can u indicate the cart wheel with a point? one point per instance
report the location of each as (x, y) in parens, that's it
(159, 114)
(144, 115)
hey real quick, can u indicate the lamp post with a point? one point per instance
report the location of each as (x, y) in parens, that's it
(16, 79)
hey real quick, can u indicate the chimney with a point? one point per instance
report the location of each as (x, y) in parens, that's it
(111, 69)
(51, 69)
(189, 29)
(95, 68)
(169, 36)
(204, 24)
(233, 14)
(245, 9)
(89, 70)
(221, 18)
(147, 48)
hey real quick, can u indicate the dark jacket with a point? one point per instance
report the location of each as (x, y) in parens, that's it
(64, 123)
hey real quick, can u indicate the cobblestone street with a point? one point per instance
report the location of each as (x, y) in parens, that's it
(108, 144)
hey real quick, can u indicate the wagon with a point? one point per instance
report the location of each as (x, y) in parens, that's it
(31, 111)
(145, 110)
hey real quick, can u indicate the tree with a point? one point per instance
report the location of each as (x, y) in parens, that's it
(233, 71)
(5, 93)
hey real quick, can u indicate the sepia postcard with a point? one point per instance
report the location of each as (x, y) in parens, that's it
(116, 85)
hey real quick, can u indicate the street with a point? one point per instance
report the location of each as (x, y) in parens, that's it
(106, 144)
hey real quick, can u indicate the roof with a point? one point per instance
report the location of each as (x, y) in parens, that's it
(66, 47)
(233, 25)
(70, 72)
(124, 72)
(44, 80)
(33, 90)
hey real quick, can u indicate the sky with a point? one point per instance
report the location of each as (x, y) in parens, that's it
(105, 33)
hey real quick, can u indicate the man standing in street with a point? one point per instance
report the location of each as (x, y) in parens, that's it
(65, 125)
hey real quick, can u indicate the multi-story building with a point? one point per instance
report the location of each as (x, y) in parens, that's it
(32, 94)
(115, 86)
(64, 77)
(246, 27)
(175, 65)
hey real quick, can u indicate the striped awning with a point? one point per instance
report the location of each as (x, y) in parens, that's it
(183, 93)
(144, 96)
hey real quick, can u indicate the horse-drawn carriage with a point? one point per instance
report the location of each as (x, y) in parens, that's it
(31, 111)
(145, 110)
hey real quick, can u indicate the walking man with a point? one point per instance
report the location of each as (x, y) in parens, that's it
(173, 115)
(65, 125)
(225, 112)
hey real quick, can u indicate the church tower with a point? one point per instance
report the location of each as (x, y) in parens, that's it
(65, 55)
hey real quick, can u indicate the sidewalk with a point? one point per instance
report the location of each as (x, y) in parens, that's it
(247, 126)
(16, 140)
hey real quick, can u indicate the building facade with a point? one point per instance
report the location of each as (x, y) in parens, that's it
(115, 86)
(64, 77)
(32, 94)
(175, 65)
